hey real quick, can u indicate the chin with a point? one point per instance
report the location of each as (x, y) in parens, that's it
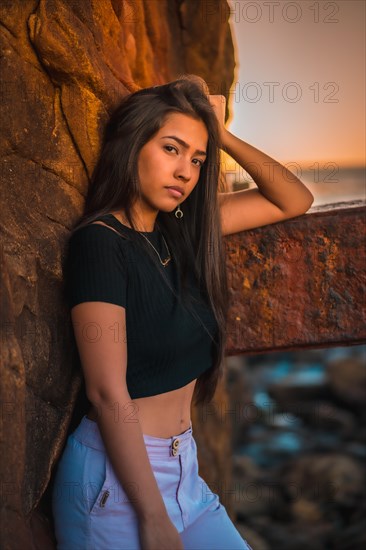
(168, 209)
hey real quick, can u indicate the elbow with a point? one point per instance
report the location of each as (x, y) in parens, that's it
(107, 396)
(308, 201)
(304, 203)
(304, 198)
(300, 208)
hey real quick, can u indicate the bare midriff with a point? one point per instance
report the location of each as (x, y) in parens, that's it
(164, 415)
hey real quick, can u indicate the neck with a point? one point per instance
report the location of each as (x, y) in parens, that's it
(143, 223)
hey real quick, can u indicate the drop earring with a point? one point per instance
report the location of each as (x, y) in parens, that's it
(178, 212)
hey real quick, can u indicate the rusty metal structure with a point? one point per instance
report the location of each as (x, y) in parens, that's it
(300, 283)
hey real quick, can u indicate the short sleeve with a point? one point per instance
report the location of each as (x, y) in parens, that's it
(95, 268)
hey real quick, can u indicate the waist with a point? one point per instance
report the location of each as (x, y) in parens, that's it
(88, 434)
(161, 416)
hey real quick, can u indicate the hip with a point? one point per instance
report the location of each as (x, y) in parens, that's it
(88, 495)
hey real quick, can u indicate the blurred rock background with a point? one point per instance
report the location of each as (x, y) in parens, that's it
(299, 448)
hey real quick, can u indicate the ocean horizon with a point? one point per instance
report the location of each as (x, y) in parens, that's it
(331, 185)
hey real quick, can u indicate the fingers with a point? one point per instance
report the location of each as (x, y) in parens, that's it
(218, 103)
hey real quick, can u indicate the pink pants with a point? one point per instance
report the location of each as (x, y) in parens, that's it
(91, 509)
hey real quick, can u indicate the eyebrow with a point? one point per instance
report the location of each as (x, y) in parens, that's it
(185, 145)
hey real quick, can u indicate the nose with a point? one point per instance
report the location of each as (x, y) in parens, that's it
(183, 170)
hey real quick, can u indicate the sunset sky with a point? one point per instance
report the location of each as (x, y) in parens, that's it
(299, 90)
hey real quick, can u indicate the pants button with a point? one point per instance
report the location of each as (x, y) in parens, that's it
(175, 447)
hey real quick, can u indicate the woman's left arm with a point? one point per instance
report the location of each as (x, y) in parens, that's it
(279, 194)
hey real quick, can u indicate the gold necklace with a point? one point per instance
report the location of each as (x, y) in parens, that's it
(163, 262)
(167, 260)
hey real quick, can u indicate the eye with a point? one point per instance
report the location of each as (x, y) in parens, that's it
(170, 148)
(199, 162)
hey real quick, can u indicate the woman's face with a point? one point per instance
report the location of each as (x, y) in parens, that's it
(172, 158)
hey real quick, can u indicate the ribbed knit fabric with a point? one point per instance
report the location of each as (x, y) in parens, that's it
(166, 346)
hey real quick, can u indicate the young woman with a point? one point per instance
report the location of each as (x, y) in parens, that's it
(146, 283)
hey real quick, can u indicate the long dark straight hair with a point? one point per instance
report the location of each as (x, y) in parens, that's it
(196, 239)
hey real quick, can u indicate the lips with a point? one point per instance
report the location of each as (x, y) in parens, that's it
(178, 189)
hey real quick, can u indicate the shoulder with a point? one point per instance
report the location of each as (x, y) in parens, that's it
(96, 234)
(95, 268)
(96, 230)
(96, 243)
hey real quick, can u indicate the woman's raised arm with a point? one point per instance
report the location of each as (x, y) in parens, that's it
(279, 195)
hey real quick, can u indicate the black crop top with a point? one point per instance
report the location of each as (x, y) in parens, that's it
(167, 347)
